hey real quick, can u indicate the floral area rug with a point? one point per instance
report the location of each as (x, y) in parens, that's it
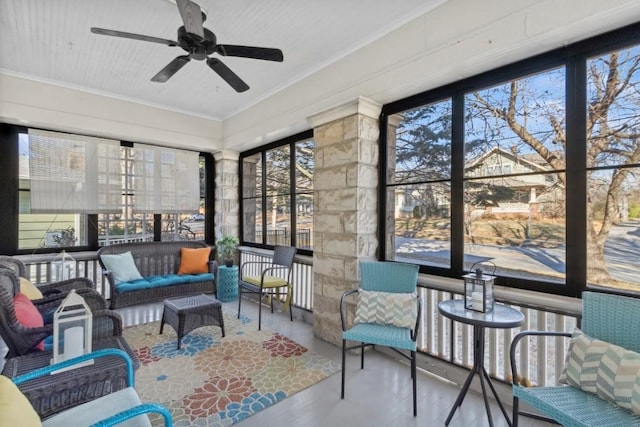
(215, 381)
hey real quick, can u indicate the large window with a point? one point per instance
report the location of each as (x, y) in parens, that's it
(420, 186)
(613, 168)
(64, 219)
(277, 193)
(530, 171)
(514, 185)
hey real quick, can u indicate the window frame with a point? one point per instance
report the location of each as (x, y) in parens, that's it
(289, 141)
(10, 188)
(573, 58)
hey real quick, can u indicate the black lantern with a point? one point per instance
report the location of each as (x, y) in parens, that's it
(478, 290)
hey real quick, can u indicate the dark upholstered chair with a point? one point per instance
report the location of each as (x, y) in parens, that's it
(273, 279)
(387, 313)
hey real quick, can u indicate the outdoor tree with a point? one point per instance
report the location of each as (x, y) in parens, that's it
(527, 118)
(613, 132)
(423, 155)
(279, 185)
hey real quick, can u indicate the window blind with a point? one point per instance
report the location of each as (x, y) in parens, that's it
(165, 180)
(74, 173)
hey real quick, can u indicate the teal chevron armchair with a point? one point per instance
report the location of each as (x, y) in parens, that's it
(610, 326)
(388, 313)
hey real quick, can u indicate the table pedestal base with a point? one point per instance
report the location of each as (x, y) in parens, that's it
(478, 368)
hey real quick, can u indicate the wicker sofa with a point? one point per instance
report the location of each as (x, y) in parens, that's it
(158, 264)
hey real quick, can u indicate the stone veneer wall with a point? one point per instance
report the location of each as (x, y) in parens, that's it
(345, 206)
(226, 220)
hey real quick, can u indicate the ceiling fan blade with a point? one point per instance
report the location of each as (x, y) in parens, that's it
(192, 18)
(133, 36)
(171, 68)
(265, 53)
(228, 76)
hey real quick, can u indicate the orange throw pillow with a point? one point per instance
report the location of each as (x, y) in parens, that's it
(194, 261)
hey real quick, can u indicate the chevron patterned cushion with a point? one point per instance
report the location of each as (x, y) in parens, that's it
(635, 396)
(583, 360)
(387, 308)
(605, 369)
(617, 374)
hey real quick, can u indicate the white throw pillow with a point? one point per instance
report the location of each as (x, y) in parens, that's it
(121, 266)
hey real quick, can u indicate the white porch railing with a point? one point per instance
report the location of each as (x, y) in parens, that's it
(440, 338)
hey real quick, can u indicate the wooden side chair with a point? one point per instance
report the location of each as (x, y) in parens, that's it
(274, 279)
(388, 312)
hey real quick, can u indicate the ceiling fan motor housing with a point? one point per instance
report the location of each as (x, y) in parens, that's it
(197, 49)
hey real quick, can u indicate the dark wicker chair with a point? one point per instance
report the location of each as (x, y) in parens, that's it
(118, 406)
(15, 264)
(21, 339)
(51, 394)
(273, 279)
(51, 290)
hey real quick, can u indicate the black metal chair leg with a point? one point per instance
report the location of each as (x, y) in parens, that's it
(344, 343)
(260, 311)
(413, 375)
(514, 419)
(290, 297)
(362, 356)
(239, 300)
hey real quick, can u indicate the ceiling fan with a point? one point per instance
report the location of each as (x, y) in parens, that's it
(199, 43)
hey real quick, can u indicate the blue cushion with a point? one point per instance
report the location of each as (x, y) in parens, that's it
(48, 317)
(48, 343)
(133, 285)
(175, 279)
(160, 281)
(191, 278)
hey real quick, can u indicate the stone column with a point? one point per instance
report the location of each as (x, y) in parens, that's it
(345, 215)
(226, 220)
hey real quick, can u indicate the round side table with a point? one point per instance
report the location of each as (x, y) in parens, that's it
(227, 283)
(501, 317)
